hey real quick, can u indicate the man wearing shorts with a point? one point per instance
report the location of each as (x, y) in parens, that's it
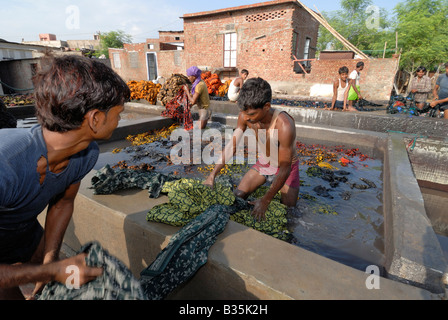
(236, 84)
(281, 168)
(441, 92)
(354, 93)
(199, 95)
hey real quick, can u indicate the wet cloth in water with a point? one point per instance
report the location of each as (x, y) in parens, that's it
(190, 197)
(186, 252)
(115, 283)
(108, 180)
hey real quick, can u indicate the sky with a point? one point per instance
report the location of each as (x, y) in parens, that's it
(142, 19)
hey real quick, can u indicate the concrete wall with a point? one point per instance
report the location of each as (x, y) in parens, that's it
(18, 74)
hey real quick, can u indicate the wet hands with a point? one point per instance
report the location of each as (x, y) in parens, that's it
(259, 209)
(434, 103)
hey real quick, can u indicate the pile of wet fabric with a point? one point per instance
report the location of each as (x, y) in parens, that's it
(190, 197)
(179, 261)
(171, 88)
(108, 180)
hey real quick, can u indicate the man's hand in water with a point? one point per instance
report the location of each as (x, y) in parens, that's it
(260, 208)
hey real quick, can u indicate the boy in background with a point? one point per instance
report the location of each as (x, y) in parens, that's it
(354, 93)
(340, 91)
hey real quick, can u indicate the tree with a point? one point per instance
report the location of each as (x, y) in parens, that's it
(113, 39)
(366, 26)
(422, 33)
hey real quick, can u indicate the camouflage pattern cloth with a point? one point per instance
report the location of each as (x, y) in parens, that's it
(115, 283)
(108, 180)
(189, 197)
(186, 252)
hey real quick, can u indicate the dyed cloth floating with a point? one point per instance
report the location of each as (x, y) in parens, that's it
(190, 197)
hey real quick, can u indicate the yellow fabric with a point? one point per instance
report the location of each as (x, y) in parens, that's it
(189, 197)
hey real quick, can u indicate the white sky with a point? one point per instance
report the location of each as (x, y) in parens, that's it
(142, 19)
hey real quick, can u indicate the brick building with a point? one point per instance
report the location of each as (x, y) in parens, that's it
(266, 38)
(149, 60)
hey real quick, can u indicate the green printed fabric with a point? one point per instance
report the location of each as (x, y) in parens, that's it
(115, 283)
(108, 180)
(179, 261)
(189, 197)
(186, 252)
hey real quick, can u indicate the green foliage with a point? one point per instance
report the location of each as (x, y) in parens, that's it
(367, 27)
(422, 27)
(113, 39)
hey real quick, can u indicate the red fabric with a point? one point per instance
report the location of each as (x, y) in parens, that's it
(178, 109)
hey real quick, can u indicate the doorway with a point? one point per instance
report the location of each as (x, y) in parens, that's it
(151, 58)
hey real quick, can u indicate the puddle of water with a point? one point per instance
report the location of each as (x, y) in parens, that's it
(353, 236)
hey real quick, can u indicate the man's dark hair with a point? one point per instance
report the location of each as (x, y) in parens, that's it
(245, 71)
(421, 68)
(360, 64)
(254, 94)
(343, 70)
(67, 87)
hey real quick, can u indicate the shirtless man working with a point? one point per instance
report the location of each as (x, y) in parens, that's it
(282, 170)
(236, 85)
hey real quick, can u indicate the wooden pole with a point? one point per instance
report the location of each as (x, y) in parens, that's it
(396, 42)
(338, 36)
(384, 52)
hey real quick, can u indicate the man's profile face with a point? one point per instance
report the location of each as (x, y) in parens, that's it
(256, 115)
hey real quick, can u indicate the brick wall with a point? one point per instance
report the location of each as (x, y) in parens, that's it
(265, 38)
(171, 62)
(264, 47)
(132, 61)
(376, 81)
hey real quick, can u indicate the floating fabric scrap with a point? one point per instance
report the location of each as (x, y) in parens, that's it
(115, 283)
(190, 197)
(108, 180)
(186, 252)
